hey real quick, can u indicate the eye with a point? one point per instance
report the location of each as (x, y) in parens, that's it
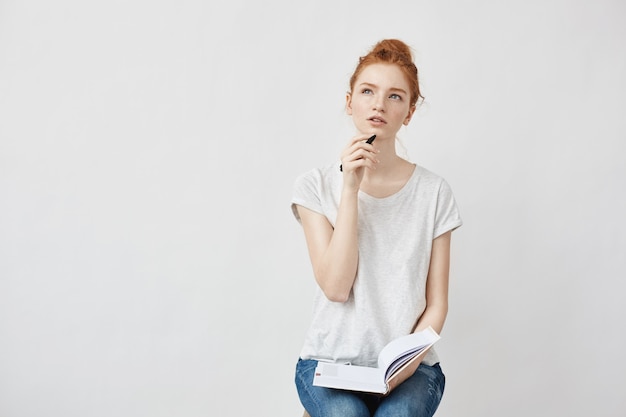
(366, 91)
(395, 97)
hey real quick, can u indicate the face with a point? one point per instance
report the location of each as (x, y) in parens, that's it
(380, 101)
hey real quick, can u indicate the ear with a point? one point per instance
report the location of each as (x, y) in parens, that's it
(349, 104)
(408, 117)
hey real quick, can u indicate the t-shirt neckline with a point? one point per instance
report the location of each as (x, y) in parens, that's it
(398, 193)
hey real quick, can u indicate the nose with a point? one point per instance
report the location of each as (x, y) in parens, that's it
(379, 104)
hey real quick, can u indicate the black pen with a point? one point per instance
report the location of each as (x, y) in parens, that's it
(368, 141)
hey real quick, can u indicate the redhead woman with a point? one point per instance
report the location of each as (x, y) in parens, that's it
(378, 231)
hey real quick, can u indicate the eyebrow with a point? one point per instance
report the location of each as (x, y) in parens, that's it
(375, 86)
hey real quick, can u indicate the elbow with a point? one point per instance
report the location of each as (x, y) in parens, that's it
(334, 292)
(336, 287)
(337, 296)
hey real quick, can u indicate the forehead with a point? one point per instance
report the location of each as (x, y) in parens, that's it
(384, 76)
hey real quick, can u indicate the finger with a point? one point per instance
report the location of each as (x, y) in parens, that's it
(358, 145)
(354, 156)
(354, 166)
(358, 159)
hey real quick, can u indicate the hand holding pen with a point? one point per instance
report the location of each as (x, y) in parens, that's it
(369, 141)
(357, 155)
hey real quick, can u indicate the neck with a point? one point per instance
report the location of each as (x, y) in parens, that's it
(389, 165)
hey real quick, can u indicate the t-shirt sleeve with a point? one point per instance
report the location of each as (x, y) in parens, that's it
(306, 193)
(447, 216)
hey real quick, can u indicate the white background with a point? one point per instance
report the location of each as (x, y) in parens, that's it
(149, 261)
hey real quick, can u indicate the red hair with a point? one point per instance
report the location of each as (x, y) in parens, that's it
(391, 51)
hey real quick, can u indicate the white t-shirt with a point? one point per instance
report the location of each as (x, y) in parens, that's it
(395, 242)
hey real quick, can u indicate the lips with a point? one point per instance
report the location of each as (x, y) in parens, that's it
(377, 119)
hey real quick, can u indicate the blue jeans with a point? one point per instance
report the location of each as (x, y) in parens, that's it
(418, 396)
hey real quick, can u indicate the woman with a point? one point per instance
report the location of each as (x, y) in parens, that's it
(378, 230)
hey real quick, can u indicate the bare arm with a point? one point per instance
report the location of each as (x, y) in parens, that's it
(334, 251)
(437, 285)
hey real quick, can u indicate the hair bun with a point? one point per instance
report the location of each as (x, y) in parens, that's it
(393, 45)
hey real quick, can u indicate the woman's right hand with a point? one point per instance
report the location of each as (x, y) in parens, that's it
(355, 158)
